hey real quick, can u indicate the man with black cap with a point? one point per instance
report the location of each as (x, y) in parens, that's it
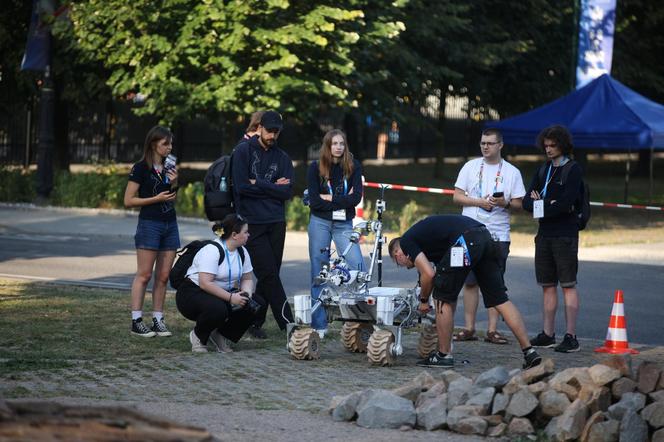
(262, 175)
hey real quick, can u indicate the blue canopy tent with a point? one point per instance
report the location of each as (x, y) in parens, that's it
(603, 114)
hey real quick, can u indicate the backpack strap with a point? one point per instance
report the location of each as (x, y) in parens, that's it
(222, 254)
(241, 252)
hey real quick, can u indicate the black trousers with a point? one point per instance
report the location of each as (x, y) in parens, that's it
(211, 313)
(266, 248)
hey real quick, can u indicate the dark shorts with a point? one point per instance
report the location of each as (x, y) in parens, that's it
(485, 263)
(157, 235)
(556, 261)
(503, 253)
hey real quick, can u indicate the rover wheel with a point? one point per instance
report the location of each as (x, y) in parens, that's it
(380, 346)
(428, 341)
(355, 336)
(304, 344)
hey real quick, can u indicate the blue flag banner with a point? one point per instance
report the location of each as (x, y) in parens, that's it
(38, 48)
(596, 26)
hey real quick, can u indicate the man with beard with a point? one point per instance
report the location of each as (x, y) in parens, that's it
(262, 183)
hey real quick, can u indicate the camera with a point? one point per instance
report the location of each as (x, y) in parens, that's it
(251, 305)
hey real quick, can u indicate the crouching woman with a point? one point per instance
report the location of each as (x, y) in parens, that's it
(219, 295)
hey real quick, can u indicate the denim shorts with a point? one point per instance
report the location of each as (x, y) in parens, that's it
(157, 235)
(556, 260)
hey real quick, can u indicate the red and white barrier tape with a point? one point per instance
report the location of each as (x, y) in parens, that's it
(451, 192)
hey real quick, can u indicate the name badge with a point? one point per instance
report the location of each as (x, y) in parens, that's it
(538, 209)
(339, 215)
(456, 257)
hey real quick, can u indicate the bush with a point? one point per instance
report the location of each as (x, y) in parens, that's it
(297, 214)
(190, 200)
(410, 214)
(17, 185)
(102, 188)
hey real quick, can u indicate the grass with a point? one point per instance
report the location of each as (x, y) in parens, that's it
(48, 327)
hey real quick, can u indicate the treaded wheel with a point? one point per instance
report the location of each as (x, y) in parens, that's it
(304, 344)
(355, 336)
(428, 341)
(379, 350)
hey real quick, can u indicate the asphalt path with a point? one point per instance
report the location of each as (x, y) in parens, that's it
(96, 248)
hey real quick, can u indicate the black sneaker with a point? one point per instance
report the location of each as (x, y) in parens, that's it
(569, 344)
(543, 340)
(436, 359)
(159, 327)
(257, 332)
(138, 328)
(531, 359)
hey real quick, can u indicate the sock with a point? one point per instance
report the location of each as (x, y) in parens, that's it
(158, 316)
(527, 350)
(136, 314)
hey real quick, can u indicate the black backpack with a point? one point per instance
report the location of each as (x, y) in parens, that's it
(582, 204)
(219, 203)
(185, 257)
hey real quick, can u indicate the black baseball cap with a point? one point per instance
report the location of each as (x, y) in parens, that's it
(272, 120)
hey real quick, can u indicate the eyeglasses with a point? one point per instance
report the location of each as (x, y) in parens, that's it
(488, 143)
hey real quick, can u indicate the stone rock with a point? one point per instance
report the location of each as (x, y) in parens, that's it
(520, 426)
(522, 403)
(515, 384)
(493, 420)
(629, 401)
(436, 389)
(603, 374)
(450, 375)
(654, 414)
(483, 398)
(461, 412)
(658, 436)
(596, 398)
(660, 384)
(592, 420)
(500, 402)
(547, 367)
(425, 380)
(604, 432)
(497, 377)
(633, 428)
(412, 389)
(432, 414)
(569, 381)
(458, 392)
(514, 372)
(648, 375)
(471, 425)
(570, 424)
(553, 403)
(497, 431)
(538, 387)
(622, 363)
(346, 407)
(657, 396)
(622, 386)
(384, 409)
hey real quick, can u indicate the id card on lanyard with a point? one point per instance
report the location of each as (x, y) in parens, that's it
(459, 255)
(231, 286)
(482, 213)
(538, 205)
(338, 215)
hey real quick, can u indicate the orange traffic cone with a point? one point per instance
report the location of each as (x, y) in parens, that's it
(616, 336)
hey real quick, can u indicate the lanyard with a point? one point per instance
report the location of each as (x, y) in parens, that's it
(329, 186)
(549, 175)
(228, 263)
(495, 185)
(466, 255)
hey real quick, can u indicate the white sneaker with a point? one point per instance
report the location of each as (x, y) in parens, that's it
(196, 345)
(321, 332)
(220, 342)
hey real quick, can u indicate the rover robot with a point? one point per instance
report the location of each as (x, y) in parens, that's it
(373, 316)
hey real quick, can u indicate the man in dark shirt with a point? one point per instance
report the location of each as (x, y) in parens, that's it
(457, 244)
(262, 175)
(551, 196)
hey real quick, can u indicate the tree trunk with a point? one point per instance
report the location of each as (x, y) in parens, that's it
(439, 168)
(642, 168)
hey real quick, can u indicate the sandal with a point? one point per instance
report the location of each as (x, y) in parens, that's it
(465, 335)
(496, 338)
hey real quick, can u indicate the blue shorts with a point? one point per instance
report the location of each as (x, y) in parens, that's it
(157, 235)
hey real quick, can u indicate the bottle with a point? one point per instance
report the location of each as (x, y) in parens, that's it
(222, 184)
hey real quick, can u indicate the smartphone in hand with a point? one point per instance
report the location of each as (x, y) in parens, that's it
(498, 194)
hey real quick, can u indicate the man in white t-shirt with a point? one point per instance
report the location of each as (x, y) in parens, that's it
(488, 188)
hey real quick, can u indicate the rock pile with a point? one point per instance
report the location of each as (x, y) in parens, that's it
(606, 402)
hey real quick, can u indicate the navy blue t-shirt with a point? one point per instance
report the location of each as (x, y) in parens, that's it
(434, 235)
(151, 183)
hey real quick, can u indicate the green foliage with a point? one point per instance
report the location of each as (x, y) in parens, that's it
(410, 214)
(190, 200)
(297, 214)
(16, 185)
(103, 187)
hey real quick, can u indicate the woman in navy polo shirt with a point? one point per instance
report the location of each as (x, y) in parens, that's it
(152, 187)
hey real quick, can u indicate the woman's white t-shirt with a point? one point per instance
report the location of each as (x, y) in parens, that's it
(207, 261)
